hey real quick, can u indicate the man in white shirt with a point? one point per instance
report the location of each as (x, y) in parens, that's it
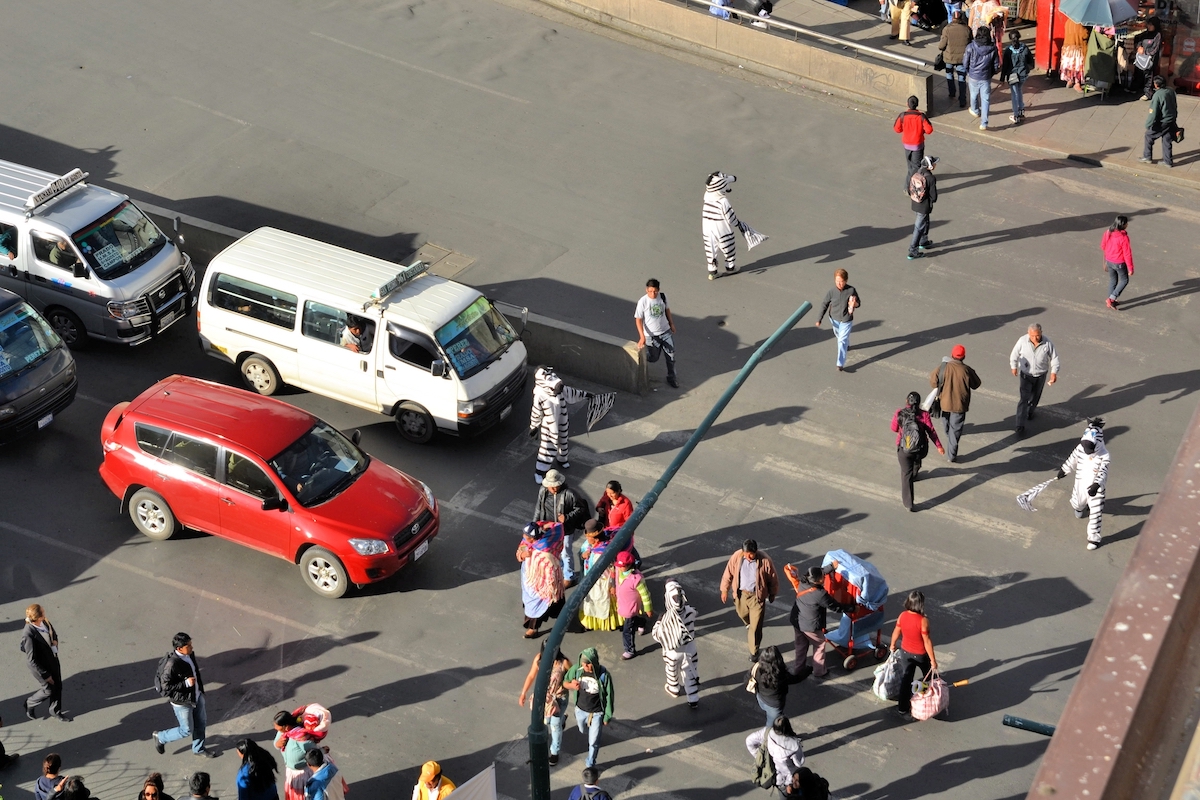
(1032, 359)
(655, 328)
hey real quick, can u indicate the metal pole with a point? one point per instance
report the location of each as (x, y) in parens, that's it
(1029, 725)
(539, 750)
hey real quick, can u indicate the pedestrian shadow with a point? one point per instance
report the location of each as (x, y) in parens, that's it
(1079, 223)
(942, 333)
(957, 181)
(1178, 289)
(418, 688)
(673, 440)
(850, 243)
(967, 605)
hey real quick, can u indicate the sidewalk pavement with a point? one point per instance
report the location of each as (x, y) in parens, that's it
(1058, 121)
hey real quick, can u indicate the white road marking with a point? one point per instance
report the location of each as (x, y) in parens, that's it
(215, 113)
(424, 70)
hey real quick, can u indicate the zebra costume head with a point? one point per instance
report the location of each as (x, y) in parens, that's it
(675, 597)
(547, 381)
(1092, 440)
(719, 182)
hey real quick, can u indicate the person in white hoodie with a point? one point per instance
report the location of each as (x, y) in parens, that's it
(784, 747)
(1089, 460)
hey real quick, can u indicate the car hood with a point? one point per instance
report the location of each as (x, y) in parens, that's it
(378, 504)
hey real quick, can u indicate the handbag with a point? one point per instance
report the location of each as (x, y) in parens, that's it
(1178, 137)
(1143, 61)
(887, 679)
(931, 696)
(752, 684)
(939, 62)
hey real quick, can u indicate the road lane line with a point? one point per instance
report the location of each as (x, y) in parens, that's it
(414, 67)
(215, 113)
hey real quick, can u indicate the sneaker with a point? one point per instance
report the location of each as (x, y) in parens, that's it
(205, 754)
(1093, 545)
(897, 36)
(693, 704)
(1013, 118)
(159, 747)
(983, 127)
(537, 478)
(1168, 166)
(1109, 302)
(926, 246)
(759, 24)
(974, 113)
(712, 276)
(1145, 160)
(61, 716)
(906, 716)
(628, 655)
(667, 689)
(917, 254)
(553, 759)
(30, 713)
(1020, 430)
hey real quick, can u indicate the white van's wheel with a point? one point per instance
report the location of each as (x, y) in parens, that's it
(415, 423)
(68, 326)
(323, 573)
(151, 514)
(260, 375)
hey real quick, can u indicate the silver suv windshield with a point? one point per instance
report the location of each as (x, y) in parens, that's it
(120, 241)
(319, 465)
(25, 339)
(475, 338)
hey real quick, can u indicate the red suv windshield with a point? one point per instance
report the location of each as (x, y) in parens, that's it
(319, 465)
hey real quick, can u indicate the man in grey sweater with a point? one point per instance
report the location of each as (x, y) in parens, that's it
(1033, 357)
(840, 303)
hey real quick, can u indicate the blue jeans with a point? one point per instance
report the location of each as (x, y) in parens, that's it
(556, 728)
(1018, 99)
(592, 729)
(981, 97)
(842, 331)
(772, 712)
(920, 237)
(957, 72)
(192, 721)
(1118, 279)
(568, 558)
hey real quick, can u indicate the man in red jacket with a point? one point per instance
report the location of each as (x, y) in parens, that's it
(913, 126)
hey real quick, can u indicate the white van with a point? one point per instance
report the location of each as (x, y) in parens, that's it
(88, 259)
(432, 353)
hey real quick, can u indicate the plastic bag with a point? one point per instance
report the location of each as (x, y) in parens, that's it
(887, 679)
(931, 696)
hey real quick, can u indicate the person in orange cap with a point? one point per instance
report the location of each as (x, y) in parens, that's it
(433, 785)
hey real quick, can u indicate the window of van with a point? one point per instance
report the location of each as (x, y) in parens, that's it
(8, 241)
(54, 250)
(476, 337)
(253, 300)
(328, 324)
(120, 241)
(411, 347)
(24, 339)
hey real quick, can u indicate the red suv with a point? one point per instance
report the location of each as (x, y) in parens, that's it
(265, 474)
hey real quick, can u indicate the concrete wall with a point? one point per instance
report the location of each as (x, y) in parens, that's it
(590, 355)
(695, 30)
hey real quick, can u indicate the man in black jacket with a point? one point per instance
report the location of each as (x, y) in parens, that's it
(924, 207)
(183, 686)
(39, 643)
(557, 503)
(808, 616)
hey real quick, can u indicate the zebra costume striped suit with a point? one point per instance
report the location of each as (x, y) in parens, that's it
(675, 631)
(718, 222)
(1090, 469)
(548, 417)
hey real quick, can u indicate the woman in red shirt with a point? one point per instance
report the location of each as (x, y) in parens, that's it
(614, 508)
(1118, 258)
(916, 648)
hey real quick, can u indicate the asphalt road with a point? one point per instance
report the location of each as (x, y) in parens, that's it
(571, 166)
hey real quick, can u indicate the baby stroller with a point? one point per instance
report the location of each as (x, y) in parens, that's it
(856, 581)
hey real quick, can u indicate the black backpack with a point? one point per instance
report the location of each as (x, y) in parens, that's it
(598, 794)
(160, 684)
(812, 787)
(912, 437)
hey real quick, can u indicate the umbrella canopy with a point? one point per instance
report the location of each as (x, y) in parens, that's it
(1105, 13)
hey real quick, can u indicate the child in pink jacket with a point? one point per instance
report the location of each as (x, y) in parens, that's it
(1118, 258)
(633, 602)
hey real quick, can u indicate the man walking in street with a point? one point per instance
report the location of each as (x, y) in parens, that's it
(656, 328)
(840, 303)
(557, 503)
(1033, 357)
(589, 790)
(1160, 123)
(39, 643)
(595, 699)
(179, 681)
(956, 381)
(751, 577)
(922, 191)
(913, 126)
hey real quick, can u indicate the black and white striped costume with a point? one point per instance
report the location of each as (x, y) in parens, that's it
(548, 417)
(718, 222)
(1090, 469)
(676, 632)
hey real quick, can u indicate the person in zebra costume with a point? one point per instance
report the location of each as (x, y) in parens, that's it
(1089, 460)
(676, 632)
(718, 222)
(548, 417)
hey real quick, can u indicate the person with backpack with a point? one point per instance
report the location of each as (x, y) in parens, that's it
(808, 616)
(633, 602)
(922, 191)
(955, 381)
(588, 790)
(914, 429)
(1118, 259)
(778, 754)
(1018, 63)
(913, 126)
(916, 648)
(981, 62)
(595, 699)
(178, 679)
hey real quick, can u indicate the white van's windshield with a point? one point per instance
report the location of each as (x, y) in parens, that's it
(475, 338)
(319, 465)
(120, 241)
(25, 339)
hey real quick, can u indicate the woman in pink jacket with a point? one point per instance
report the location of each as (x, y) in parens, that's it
(1118, 258)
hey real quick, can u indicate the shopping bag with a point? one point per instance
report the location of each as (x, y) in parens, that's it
(931, 696)
(887, 679)
(931, 399)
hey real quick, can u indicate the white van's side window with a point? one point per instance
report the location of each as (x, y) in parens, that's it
(8, 241)
(54, 250)
(323, 322)
(411, 347)
(253, 300)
